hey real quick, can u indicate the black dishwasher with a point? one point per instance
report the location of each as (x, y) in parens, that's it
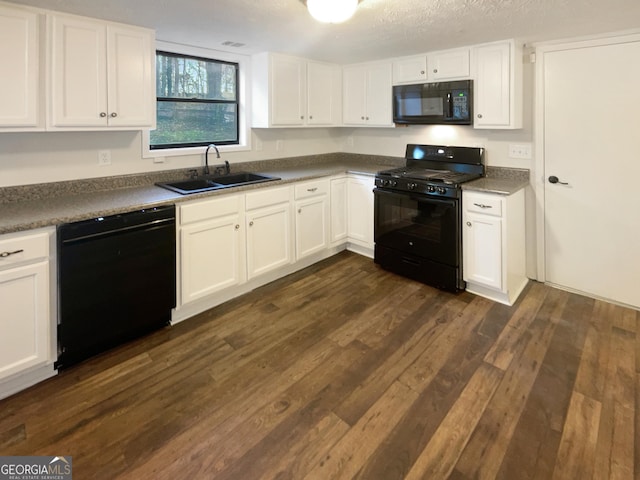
(116, 280)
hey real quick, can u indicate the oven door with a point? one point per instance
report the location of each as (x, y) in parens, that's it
(418, 225)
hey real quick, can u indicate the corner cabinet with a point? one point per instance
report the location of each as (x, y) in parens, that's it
(498, 88)
(27, 320)
(289, 91)
(20, 54)
(360, 210)
(102, 75)
(494, 245)
(367, 95)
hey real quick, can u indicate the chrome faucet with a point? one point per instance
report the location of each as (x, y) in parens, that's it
(206, 157)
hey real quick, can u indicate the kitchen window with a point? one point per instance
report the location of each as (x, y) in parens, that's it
(197, 102)
(200, 99)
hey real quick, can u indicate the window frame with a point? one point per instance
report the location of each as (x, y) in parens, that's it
(244, 101)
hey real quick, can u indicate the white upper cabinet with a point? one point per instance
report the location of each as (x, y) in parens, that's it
(448, 65)
(294, 92)
(101, 75)
(432, 67)
(367, 95)
(19, 82)
(410, 69)
(498, 85)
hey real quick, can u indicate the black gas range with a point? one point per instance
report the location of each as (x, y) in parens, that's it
(418, 213)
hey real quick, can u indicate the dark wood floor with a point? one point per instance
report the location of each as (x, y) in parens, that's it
(347, 371)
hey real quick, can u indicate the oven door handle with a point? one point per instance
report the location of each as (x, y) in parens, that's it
(416, 198)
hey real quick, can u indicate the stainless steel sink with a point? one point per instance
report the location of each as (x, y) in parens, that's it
(205, 184)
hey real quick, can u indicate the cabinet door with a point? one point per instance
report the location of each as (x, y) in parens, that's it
(448, 65)
(287, 84)
(323, 94)
(410, 70)
(354, 97)
(312, 226)
(338, 210)
(24, 323)
(78, 72)
(19, 91)
(131, 91)
(482, 250)
(210, 256)
(268, 239)
(360, 210)
(498, 87)
(379, 95)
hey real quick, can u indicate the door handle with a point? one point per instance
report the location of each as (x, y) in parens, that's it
(554, 179)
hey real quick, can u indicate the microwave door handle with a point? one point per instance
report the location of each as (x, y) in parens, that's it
(449, 105)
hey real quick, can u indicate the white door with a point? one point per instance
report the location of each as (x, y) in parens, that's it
(268, 239)
(312, 229)
(288, 82)
(591, 126)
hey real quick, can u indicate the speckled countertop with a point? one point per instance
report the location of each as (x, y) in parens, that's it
(503, 181)
(35, 206)
(28, 207)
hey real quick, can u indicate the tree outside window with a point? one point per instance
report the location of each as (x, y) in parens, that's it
(197, 102)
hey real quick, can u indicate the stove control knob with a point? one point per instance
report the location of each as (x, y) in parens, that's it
(393, 183)
(384, 183)
(431, 189)
(442, 190)
(412, 186)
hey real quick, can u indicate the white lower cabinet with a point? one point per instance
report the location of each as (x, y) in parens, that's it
(268, 223)
(338, 230)
(212, 246)
(27, 327)
(360, 213)
(494, 245)
(312, 217)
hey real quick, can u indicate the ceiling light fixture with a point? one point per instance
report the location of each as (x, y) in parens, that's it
(332, 11)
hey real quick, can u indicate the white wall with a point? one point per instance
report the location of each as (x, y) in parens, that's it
(28, 158)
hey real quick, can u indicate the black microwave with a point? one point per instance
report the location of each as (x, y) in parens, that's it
(434, 103)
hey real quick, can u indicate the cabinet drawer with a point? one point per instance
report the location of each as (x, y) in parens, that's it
(264, 198)
(312, 189)
(208, 209)
(481, 203)
(17, 249)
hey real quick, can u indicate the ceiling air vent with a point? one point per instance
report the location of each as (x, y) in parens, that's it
(229, 43)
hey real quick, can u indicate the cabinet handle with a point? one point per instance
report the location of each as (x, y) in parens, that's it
(362, 118)
(479, 115)
(310, 117)
(114, 115)
(468, 224)
(482, 205)
(6, 254)
(299, 210)
(367, 118)
(421, 72)
(435, 70)
(312, 189)
(103, 114)
(237, 227)
(251, 223)
(301, 117)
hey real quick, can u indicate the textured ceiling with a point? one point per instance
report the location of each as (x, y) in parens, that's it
(379, 29)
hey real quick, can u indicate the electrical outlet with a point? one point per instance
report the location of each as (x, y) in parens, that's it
(522, 150)
(104, 157)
